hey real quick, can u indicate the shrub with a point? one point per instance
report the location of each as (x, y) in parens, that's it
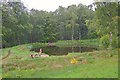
(105, 41)
(114, 42)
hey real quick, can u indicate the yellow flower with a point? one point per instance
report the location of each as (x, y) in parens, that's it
(74, 61)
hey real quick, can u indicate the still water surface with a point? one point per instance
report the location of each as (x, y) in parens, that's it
(54, 50)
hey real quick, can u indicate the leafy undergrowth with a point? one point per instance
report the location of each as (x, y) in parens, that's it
(97, 64)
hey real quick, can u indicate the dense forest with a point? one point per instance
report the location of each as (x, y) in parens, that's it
(76, 22)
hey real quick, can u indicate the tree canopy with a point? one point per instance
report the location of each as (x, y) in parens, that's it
(76, 22)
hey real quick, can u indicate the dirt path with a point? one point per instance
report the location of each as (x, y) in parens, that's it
(9, 53)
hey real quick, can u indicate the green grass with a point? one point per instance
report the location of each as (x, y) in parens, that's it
(67, 43)
(88, 43)
(96, 70)
(60, 67)
(100, 64)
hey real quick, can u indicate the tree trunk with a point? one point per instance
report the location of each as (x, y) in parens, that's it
(72, 33)
(18, 40)
(31, 37)
(111, 39)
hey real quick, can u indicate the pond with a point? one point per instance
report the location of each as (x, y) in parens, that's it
(54, 50)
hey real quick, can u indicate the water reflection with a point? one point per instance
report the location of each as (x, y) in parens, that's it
(54, 50)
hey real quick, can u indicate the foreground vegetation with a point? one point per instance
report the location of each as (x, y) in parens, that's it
(92, 65)
(96, 64)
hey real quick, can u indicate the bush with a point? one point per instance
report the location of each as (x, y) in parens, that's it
(114, 42)
(105, 41)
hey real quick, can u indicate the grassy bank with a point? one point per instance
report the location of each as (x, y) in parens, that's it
(97, 64)
(88, 43)
(68, 43)
(18, 50)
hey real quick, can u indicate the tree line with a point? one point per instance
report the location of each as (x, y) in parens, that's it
(76, 22)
